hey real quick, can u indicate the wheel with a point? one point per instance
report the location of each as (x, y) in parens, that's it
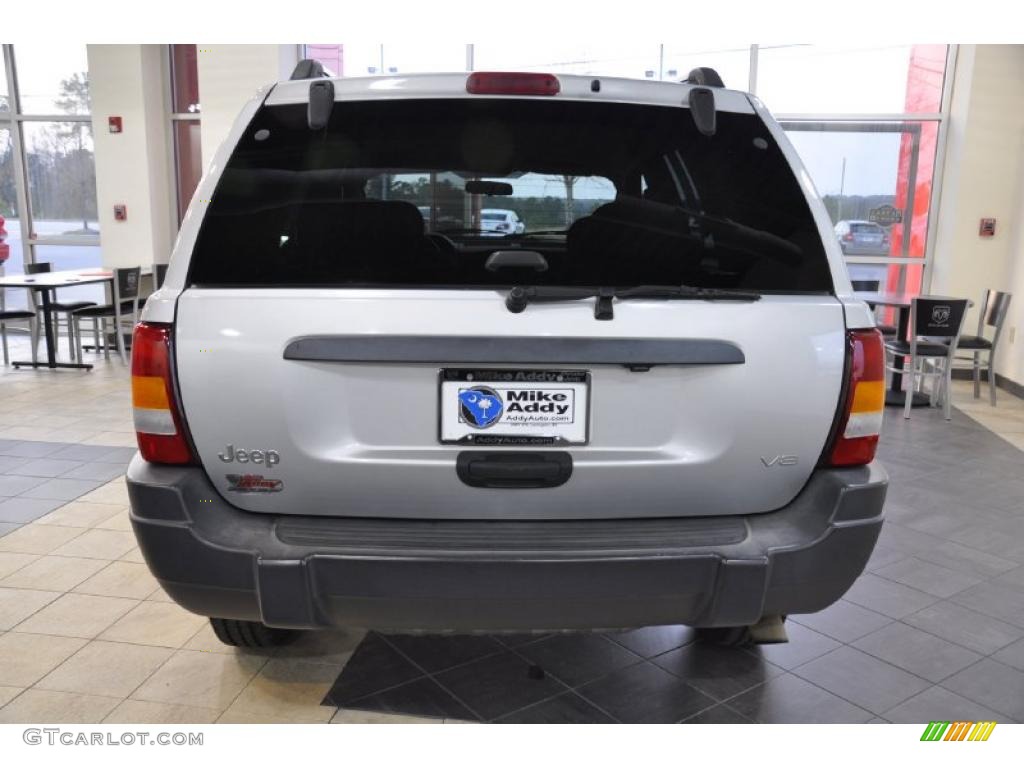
(724, 637)
(250, 634)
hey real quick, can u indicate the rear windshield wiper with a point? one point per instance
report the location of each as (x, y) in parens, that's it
(519, 297)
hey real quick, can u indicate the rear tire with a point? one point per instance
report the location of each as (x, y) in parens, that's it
(250, 634)
(725, 637)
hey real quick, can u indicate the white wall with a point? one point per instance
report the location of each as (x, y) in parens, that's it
(132, 167)
(229, 75)
(984, 177)
(1011, 359)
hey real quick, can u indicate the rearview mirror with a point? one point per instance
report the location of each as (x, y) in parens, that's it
(493, 188)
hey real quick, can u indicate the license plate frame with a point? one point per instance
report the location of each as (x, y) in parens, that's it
(505, 430)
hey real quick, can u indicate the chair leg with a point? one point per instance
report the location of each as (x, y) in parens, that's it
(120, 341)
(73, 330)
(947, 390)
(34, 335)
(991, 379)
(933, 396)
(76, 337)
(99, 342)
(3, 333)
(977, 375)
(912, 368)
(33, 332)
(72, 348)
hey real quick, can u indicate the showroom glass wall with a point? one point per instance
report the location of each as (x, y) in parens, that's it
(47, 166)
(867, 120)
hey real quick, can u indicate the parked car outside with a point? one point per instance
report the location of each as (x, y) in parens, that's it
(862, 238)
(500, 221)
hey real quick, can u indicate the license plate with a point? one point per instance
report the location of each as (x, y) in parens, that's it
(514, 407)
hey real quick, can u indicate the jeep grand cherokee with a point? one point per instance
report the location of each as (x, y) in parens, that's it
(358, 405)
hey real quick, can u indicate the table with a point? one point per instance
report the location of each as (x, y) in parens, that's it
(44, 282)
(902, 302)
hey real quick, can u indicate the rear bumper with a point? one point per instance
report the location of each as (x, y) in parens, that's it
(852, 249)
(305, 572)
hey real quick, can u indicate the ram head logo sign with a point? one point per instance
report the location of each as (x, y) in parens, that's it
(940, 314)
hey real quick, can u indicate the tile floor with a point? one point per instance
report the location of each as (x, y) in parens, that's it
(933, 629)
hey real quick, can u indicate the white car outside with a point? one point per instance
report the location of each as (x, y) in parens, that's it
(501, 222)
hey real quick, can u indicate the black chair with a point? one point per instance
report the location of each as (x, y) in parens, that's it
(993, 314)
(935, 326)
(872, 286)
(14, 315)
(124, 307)
(58, 308)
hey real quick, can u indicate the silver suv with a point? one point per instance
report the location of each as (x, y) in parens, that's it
(658, 404)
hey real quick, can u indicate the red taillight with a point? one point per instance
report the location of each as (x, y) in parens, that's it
(159, 428)
(512, 84)
(848, 237)
(856, 437)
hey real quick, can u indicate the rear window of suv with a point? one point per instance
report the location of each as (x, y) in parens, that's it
(392, 192)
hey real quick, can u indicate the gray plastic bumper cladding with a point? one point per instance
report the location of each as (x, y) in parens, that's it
(313, 572)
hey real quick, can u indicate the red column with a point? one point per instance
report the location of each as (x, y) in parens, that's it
(924, 94)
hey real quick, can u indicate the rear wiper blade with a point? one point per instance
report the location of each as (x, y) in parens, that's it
(519, 297)
(685, 292)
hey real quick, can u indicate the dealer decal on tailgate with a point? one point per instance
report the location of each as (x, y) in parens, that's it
(514, 407)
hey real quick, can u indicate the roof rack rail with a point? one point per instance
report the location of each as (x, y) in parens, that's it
(704, 76)
(307, 69)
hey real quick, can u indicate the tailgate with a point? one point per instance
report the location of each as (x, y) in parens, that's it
(364, 434)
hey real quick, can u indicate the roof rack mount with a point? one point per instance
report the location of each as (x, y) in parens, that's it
(308, 69)
(705, 76)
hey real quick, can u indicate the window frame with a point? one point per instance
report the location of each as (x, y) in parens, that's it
(177, 211)
(15, 120)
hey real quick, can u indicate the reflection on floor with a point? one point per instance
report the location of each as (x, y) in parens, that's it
(933, 630)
